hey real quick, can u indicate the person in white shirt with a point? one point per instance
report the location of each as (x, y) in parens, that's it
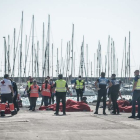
(7, 94)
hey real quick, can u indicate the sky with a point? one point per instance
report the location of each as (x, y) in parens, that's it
(95, 19)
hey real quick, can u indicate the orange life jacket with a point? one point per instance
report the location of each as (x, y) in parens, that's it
(46, 92)
(34, 91)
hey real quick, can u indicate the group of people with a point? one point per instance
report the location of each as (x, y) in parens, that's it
(9, 92)
(113, 87)
(59, 87)
(48, 90)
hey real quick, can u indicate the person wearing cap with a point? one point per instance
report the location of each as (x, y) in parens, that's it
(6, 90)
(102, 91)
(136, 94)
(114, 91)
(29, 83)
(80, 87)
(60, 87)
(34, 94)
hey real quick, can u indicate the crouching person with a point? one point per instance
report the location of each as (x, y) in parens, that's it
(34, 94)
(6, 90)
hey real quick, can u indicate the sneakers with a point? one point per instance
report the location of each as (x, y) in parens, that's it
(64, 113)
(131, 117)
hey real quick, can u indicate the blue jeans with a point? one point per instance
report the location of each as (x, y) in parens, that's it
(136, 97)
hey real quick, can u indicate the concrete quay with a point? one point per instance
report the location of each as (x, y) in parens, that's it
(44, 125)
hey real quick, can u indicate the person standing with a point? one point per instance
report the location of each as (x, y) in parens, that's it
(102, 91)
(34, 94)
(46, 92)
(136, 94)
(60, 87)
(115, 88)
(80, 87)
(29, 83)
(6, 90)
(14, 85)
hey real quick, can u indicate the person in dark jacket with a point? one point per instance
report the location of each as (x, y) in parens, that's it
(14, 85)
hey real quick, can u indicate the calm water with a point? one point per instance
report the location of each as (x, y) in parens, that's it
(90, 99)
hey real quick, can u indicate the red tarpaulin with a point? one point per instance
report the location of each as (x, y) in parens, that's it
(71, 106)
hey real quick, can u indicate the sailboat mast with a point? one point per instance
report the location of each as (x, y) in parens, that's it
(4, 55)
(111, 56)
(52, 60)
(13, 73)
(48, 44)
(43, 51)
(72, 50)
(21, 46)
(32, 45)
(125, 58)
(57, 63)
(8, 53)
(37, 58)
(108, 55)
(94, 65)
(25, 55)
(74, 64)
(87, 58)
(129, 55)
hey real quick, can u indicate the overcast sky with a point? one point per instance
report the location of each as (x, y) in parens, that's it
(95, 19)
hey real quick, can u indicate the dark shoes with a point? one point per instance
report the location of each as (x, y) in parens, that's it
(2, 114)
(104, 113)
(13, 113)
(33, 109)
(113, 113)
(131, 117)
(95, 112)
(64, 113)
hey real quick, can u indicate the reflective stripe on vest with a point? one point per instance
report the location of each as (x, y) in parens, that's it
(79, 85)
(46, 92)
(34, 91)
(60, 86)
(138, 85)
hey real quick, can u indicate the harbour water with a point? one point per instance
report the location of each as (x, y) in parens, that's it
(90, 99)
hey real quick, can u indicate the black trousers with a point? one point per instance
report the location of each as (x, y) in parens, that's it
(101, 93)
(6, 97)
(29, 99)
(114, 97)
(60, 95)
(15, 102)
(51, 99)
(79, 93)
(33, 102)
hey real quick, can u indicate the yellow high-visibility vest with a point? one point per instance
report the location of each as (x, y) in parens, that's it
(60, 86)
(138, 85)
(79, 85)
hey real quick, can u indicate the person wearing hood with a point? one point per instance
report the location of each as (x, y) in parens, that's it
(80, 87)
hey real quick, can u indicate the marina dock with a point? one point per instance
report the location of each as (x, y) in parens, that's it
(44, 125)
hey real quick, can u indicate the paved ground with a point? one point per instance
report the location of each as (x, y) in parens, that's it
(43, 125)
